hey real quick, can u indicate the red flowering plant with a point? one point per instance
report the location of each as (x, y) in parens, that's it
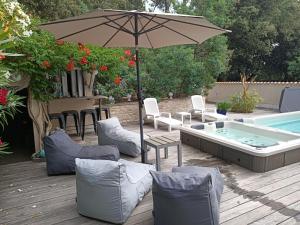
(3, 148)
(9, 103)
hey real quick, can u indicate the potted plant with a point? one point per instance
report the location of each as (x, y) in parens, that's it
(223, 107)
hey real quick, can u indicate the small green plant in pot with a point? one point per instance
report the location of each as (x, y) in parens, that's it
(223, 107)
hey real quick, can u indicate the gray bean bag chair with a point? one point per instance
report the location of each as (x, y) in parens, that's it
(61, 151)
(193, 192)
(110, 191)
(110, 132)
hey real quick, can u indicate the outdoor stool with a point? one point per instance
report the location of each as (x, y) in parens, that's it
(163, 142)
(75, 115)
(106, 109)
(60, 118)
(83, 113)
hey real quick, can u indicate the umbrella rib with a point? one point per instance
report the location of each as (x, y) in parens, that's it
(177, 32)
(116, 32)
(89, 28)
(85, 18)
(158, 26)
(132, 25)
(149, 21)
(189, 23)
(120, 26)
(146, 35)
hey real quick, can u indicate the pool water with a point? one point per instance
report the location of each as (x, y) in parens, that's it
(292, 125)
(245, 137)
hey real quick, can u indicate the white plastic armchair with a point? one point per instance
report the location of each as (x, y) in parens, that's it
(152, 112)
(198, 104)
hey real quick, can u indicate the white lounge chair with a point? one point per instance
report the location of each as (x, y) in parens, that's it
(206, 113)
(152, 112)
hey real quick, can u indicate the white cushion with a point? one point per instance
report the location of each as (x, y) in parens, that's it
(169, 121)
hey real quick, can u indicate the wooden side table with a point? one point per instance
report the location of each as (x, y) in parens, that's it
(163, 142)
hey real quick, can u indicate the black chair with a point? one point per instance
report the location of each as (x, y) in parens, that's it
(60, 118)
(75, 115)
(105, 109)
(83, 113)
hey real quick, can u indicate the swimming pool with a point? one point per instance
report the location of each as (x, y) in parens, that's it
(253, 147)
(289, 122)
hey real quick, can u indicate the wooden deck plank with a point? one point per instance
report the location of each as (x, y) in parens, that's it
(259, 190)
(260, 193)
(286, 214)
(292, 220)
(260, 207)
(255, 184)
(260, 198)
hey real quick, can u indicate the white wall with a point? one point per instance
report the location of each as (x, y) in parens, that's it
(269, 91)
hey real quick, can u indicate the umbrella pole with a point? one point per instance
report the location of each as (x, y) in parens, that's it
(139, 94)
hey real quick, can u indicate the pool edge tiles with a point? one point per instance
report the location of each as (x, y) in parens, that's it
(258, 160)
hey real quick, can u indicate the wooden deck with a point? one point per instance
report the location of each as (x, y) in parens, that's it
(29, 196)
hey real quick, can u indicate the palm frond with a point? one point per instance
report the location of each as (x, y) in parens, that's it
(3, 149)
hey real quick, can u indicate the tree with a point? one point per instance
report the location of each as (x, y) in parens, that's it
(163, 5)
(284, 60)
(252, 39)
(186, 70)
(265, 40)
(58, 9)
(173, 69)
(213, 53)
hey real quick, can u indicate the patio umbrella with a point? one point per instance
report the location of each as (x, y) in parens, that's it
(119, 28)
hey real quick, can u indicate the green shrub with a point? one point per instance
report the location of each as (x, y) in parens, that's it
(245, 103)
(224, 105)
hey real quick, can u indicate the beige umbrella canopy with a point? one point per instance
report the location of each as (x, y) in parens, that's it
(118, 28)
(115, 28)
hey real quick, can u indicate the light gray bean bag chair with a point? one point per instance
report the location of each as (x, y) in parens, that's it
(110, 132)
(61, 151)
(108, 190)
(193, 192)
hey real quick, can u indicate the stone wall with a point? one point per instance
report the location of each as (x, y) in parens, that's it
(269, 91)
(128, 111)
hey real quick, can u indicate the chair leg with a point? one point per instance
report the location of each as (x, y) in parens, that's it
(155, 124)
(82, 124)
(106, 113)
(94, 116)
(157, 159)
(65, 118)
(61, 122)
(76, 123)
(179, 154)
(166, 153)
(203, 118)
(146, 153)
(170, 128)
(98, 113)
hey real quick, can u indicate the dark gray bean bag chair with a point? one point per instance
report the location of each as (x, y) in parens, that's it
(110, 191)
(110, 132)
(192, 192)
(61, 152)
